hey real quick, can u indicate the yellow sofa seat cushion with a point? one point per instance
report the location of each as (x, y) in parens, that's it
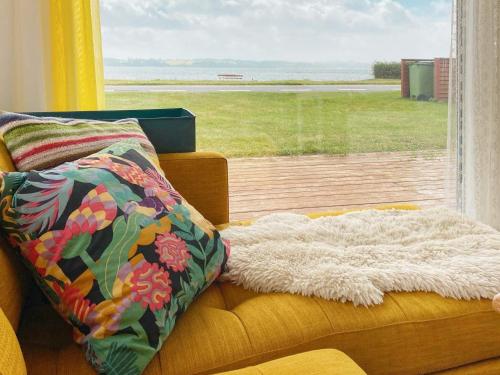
(229, 328)
(488, 367)
(11, 357)
(315, 362)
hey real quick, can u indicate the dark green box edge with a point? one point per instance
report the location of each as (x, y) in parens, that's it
(169, 129)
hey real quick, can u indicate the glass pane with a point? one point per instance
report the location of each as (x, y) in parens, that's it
(292, 94)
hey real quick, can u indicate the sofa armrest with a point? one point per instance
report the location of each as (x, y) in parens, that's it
(201, 178)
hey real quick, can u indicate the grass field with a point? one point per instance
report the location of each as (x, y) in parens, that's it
(258, 124)
(158, 82)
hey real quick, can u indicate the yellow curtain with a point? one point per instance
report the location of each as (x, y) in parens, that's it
(76, 64)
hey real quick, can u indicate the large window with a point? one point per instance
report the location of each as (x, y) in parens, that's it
(304, 97)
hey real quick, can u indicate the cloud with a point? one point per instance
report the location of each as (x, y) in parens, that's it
(297, 30)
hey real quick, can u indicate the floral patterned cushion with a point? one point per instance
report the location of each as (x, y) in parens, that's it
(118, 252)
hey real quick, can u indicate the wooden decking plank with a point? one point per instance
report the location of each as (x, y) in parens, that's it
(337, 195)
(311, 173)
(352, 156)
(332, 179)
(367, 203)
(274, 204)
(264, 190)
(297, 164)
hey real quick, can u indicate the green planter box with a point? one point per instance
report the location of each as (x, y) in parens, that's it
(422, 80)
(170, 130)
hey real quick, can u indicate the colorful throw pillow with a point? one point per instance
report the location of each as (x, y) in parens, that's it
(118, 252)
(44, 142)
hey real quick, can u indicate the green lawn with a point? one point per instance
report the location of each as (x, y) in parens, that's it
(258, 124)
(157, 82)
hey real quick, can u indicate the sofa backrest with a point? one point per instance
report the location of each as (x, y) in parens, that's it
(13, 285)
(13, 276)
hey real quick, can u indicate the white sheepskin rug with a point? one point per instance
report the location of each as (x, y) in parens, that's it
(360, 255)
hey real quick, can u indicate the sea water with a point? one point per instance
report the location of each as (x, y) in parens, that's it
(315, 73)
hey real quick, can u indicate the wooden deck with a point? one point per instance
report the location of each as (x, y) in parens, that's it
(259, 186)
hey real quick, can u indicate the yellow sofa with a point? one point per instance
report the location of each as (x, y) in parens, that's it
(235, 331)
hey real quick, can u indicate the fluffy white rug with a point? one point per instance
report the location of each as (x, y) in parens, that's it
(359, 256)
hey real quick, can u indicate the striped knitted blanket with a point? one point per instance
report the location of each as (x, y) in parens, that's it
(44, 142)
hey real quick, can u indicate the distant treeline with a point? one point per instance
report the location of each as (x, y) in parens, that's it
(386, 70)
(229, 63)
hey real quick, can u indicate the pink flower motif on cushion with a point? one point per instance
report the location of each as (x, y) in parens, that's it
(151, 286)
(172, 251)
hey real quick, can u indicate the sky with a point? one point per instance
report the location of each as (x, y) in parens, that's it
(289, 30)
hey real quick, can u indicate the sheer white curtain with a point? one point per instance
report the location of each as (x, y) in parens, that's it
(475, 109)
(23, 61)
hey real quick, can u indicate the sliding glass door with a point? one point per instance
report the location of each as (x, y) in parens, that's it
(318, 105)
